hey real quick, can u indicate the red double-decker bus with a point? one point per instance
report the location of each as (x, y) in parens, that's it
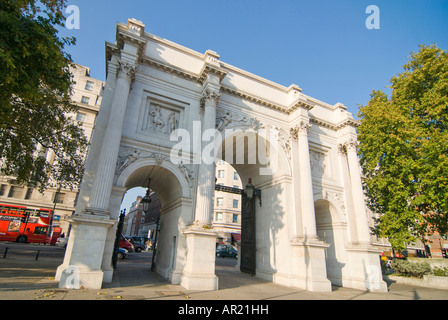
(23, 224)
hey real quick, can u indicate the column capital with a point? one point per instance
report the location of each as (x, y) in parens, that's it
(126, 70)
(210, 96)
(351, 145)
(301, 129)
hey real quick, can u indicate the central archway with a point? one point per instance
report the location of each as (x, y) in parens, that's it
(251, 153)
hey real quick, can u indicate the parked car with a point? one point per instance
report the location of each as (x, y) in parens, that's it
(138, 247)
(122, 254)
(224, 250)
(62, 242)
(125, 244)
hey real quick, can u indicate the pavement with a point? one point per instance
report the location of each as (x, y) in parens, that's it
(25, 278)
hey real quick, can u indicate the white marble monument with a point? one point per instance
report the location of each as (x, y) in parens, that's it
(161, 105)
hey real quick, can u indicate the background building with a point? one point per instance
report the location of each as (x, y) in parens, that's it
(87, 95)
(141, 224)
(227, 209)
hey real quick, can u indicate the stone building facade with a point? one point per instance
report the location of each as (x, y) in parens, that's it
(87, 96)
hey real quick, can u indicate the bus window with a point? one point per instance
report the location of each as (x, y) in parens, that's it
(40, 230)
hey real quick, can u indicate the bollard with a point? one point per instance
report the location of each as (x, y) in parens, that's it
(6, 251)
(37, 254)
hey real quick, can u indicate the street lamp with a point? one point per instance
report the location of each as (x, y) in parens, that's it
(250, 188)
(250, 191)
(146, 200)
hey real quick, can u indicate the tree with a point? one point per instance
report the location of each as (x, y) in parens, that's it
(404, 150)
(35, 92)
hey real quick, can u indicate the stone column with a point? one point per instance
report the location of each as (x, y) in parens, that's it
(300, 133)
(102, 184)
(307, 251)
(206, 178)
(199, 269)
(359, 204)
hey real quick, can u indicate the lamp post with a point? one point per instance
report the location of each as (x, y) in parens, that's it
(146, 204)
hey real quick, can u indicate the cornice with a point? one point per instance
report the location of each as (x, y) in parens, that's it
(348, 122)
(170, 69)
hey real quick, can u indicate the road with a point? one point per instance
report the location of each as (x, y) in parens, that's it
(29, 250)
(40, 251)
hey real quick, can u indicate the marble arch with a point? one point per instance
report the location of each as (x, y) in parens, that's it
(154, 89)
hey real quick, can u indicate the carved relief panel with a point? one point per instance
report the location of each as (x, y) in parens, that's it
(158, 117)
(319, 164)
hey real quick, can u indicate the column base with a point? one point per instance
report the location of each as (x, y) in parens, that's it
(84, 254)
(310, 271)
(365, 268)
(199, 270)
(72, 278)
(197, 281)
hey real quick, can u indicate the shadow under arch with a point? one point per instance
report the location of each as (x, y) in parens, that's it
(165, 176)
(254, 154)
(174, 192)
(332, 228)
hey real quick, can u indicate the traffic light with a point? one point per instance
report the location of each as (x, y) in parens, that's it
(25, 217)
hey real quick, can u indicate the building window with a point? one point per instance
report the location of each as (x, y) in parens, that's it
(15, 192)
(28, 194)
(81, 117)
(235, 203)
(85, 100)
(235, 218)
(59, 197)
(218, 216)
(220, 202)
(235, 176)
(89, 85)
(221, 174)
(3, 189)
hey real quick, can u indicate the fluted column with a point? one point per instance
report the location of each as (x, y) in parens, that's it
(359, 205)
(206, 179)
(102, 184)
(300, 133)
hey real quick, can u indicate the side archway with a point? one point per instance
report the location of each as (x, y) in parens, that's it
(174, 191)
(332, 229)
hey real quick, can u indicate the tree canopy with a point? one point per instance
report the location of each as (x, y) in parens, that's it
(404, 150)
(35, 96)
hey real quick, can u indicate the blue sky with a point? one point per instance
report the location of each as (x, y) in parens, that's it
(321, 45)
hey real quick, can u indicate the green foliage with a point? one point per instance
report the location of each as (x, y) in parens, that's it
(440, 271)
(404, 150)
(411, 269)
(35, 91)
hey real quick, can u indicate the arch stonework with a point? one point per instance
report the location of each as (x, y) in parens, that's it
(160, 103)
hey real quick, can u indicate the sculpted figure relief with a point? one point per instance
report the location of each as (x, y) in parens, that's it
(158, 125)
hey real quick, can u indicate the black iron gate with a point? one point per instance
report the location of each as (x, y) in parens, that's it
(247, 247)
(248, 241)
(118, 236)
